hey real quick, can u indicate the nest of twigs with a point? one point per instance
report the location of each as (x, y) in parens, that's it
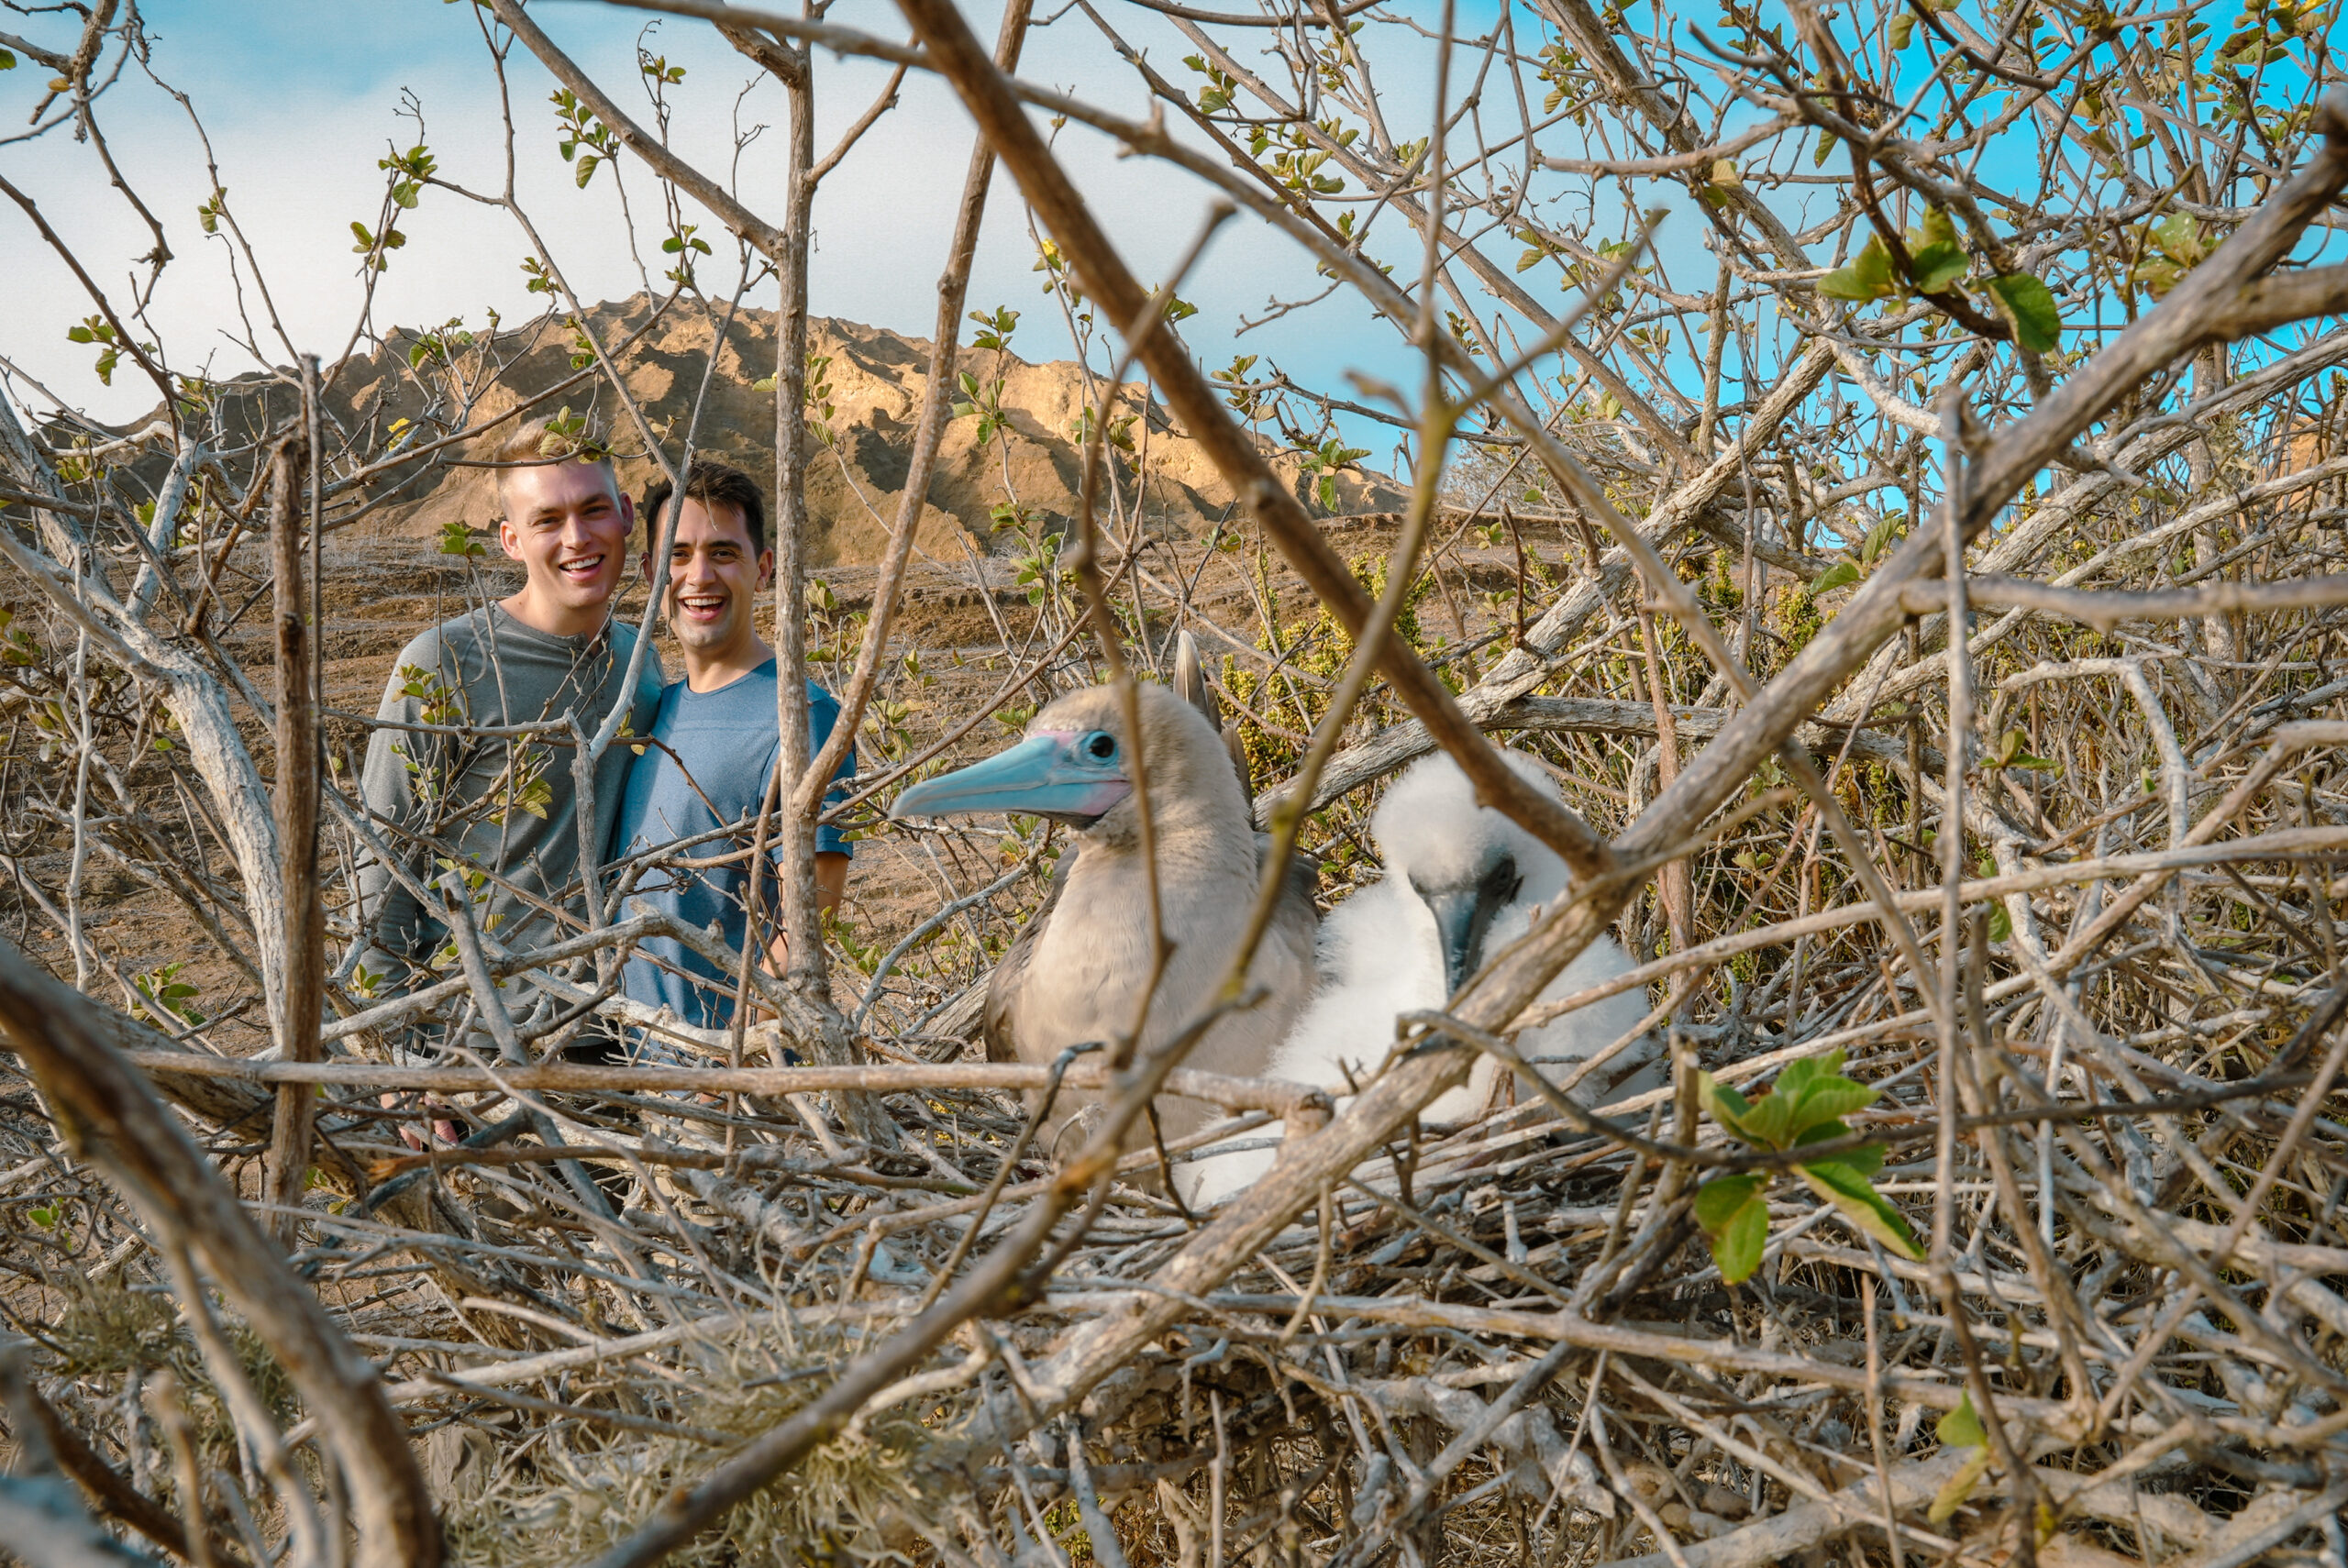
(1509, 1338)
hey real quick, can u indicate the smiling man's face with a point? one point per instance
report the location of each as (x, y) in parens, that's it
(713, 581)
(567, 525)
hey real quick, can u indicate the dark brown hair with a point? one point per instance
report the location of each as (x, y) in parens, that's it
(713, 484)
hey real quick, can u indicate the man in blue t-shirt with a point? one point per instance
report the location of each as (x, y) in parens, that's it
(718, 738)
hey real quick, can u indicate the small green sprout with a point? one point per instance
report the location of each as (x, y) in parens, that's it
(1807, 1106)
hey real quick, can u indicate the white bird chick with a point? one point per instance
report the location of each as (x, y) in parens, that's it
(1462, 882)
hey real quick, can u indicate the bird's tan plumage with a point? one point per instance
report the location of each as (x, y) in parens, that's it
(1078, 973)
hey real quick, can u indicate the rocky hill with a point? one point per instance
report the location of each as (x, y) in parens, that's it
(873, 381)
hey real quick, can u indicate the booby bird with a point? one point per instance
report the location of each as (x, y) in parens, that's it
(1076, 974)
(1461, 882)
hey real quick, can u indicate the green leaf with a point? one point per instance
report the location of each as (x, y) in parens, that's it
(1818, 1097)
(1959, 1487)
(2178, 236)
(1938, 266)
(1735, 1222)
(1770, 1122)
(1718, 1200)
(1961, 1428)
(1738, 1249)
(2011, 754)
(1903, 27)
(1721, 1103)
(2031, 304)
(1866, 1159)
(1887, 531)
(1939, 228)
(2002, 924)
(1823, 150)
(1848, 1190)
(1801, 1075)
(1866, 277)
(457, 539)
(587, 162)
(7, 60)
(1829, 1103)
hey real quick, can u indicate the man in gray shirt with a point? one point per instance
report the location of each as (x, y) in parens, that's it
(501, 810)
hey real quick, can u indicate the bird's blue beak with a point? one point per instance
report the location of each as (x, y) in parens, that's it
(1068, 776)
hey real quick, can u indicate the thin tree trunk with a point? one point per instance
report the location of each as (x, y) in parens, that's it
(801, 923)
(296, 815)
(938, 399)
(1673, 880)
(807, 972)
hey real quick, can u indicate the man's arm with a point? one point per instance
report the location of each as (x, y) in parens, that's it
(832, 852)
(831, 880)
(388, 917)
(831, 885)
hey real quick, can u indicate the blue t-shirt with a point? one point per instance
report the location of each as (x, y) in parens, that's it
(721, 748)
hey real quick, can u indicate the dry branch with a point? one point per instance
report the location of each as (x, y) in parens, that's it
(116, 1121)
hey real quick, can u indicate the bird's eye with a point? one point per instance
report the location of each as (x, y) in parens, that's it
(1101, 746)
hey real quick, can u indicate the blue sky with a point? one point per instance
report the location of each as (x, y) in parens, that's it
(302, 97)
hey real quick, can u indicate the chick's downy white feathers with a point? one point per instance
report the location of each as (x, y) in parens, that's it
(1461, 883)
(1430, 829)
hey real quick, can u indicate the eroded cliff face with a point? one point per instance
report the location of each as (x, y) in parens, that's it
(859, 446)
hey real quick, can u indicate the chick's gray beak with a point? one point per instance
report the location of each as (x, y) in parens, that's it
(1459, 923)
(1464, 915)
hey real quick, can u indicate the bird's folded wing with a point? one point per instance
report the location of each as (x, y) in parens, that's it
(998, 1023)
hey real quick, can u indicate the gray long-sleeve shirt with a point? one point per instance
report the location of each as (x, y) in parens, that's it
(505, 805)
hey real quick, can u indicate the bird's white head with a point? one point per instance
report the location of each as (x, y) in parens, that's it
(1468, 862)
(1077, 765)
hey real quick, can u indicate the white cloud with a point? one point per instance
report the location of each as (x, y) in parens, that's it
(301, 102)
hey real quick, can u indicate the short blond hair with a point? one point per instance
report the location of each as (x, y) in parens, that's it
(556, 438)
